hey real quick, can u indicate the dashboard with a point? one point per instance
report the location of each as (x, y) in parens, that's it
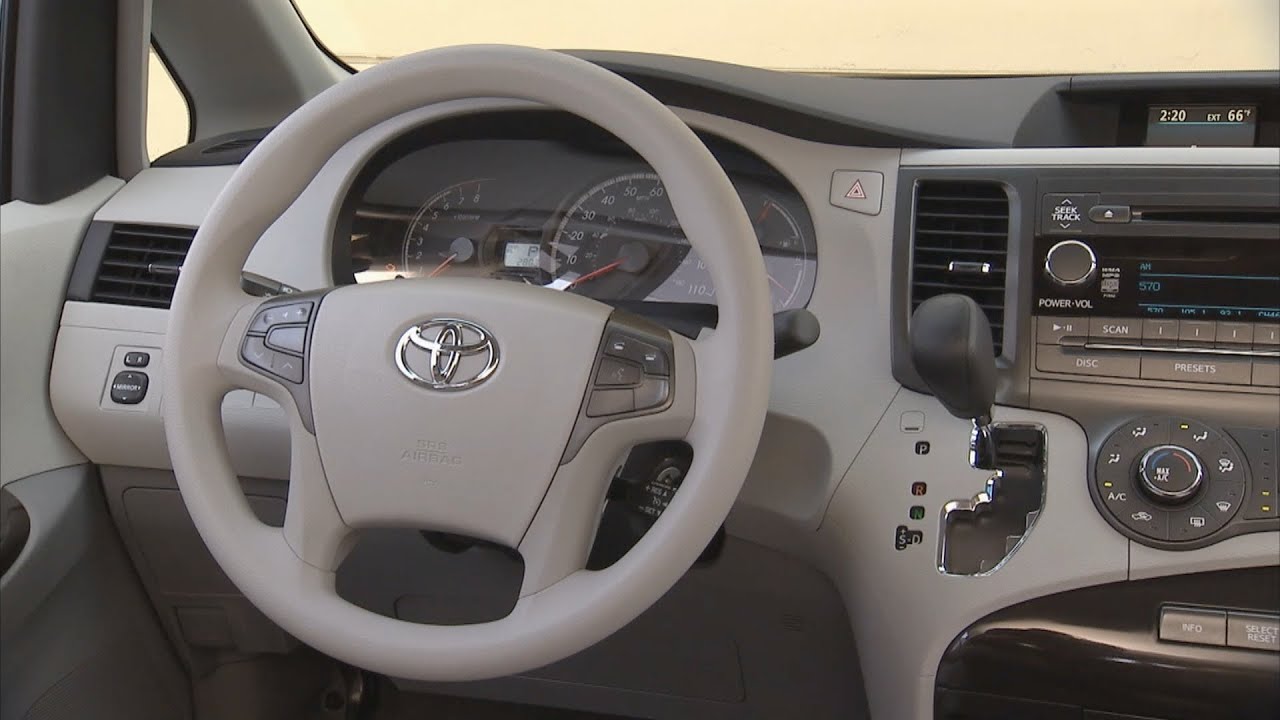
(546, 199)
(1125, 335)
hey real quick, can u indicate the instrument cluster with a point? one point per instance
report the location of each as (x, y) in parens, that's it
(546, 199)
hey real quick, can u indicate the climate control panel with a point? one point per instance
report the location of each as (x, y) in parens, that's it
(1179, 484)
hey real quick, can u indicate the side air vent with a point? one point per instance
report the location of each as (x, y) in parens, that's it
(237, 145)
(960, 244)
(140, 265)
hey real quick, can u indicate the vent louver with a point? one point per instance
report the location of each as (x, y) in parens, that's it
(960, 245)
(140, 265)
(235, 145)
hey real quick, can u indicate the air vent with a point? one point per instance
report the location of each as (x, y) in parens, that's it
(237, 145)
(140, 265)
(961, 244)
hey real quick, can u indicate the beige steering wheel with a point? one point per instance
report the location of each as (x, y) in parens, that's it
(467, 406)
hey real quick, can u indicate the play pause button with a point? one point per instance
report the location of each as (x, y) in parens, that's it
(1052, 330)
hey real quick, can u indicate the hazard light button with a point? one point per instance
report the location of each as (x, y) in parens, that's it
(857, 190)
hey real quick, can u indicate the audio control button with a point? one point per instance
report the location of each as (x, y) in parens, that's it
(1071, 263)
(1197, 368)
(1066, 213)
(1126, 331)
(1234, 335)
(1266, 336)
(1197, 333)
(1108, 214)
(1159, 333)
(1051, 330)
(1078, 361)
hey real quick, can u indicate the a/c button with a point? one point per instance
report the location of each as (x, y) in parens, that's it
(1078, 361)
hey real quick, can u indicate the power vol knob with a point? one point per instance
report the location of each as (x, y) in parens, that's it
(1071, 263)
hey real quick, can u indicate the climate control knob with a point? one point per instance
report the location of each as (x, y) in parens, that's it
(1170, 474)
(1071, 263)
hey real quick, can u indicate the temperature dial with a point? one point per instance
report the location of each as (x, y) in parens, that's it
(1071, 263)
(1170, 473)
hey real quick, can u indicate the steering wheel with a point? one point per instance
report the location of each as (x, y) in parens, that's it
(479, 407)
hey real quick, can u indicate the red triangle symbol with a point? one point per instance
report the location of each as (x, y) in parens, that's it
(856, 192)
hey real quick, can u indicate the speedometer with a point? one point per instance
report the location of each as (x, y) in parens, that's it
(613, 235)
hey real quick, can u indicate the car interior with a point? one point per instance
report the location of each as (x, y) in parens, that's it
(468, 378)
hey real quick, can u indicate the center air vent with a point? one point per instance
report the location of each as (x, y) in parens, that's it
(960, 245)
(140, 265)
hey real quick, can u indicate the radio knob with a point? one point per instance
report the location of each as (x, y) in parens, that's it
(1071, 263)
(1170, 474)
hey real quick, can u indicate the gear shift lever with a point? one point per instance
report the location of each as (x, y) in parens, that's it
(952, 352)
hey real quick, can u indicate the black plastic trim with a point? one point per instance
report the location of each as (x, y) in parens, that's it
(196, 153)
(8, 49)
(64, 99)
(1130, 82)
(319, 43)
(1097, 649)
(89, 260)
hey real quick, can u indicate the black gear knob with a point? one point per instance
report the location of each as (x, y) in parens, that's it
(952, 352)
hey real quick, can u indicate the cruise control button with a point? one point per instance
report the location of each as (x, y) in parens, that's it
(291, 338)
(1052, 330)
(256, 353)
(1193, 368)
(136, 359)
(1159, 333)
(1234, 334)
(1193, 625)
(1056, 358)
(1116, 330)
(617, 372)
(610, 402)
(652, 393)
(1254, 631)
(129, 387)
(1197, 333)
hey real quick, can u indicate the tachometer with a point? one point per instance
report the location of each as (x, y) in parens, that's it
(447, 230)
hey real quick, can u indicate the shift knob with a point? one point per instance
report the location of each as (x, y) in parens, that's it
(952, 352)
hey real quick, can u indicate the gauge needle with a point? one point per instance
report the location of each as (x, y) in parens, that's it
(440, 268)
(595, 273)
(775, 282)
(764, 212)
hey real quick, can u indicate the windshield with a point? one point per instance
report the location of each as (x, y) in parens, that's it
(862, 37)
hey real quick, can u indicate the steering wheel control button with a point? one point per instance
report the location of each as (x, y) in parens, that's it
(1170, 474)
(615, 372)
(1193, 625)
(129, 387)
(290, 338)
(256, 353)
(610, 402)
(1253, 631)
(857, 190)
(287, 366)
(136, 359)
(1071, 263)
(653, 359)
(652, 393)
(1066, 213)
(267, 318)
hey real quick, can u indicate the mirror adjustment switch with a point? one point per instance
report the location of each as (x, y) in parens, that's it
(136, 359)
(129, 387)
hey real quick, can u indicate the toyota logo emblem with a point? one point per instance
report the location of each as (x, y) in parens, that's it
(447, 354)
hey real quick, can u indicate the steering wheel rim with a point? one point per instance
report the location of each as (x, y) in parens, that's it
(717, 392)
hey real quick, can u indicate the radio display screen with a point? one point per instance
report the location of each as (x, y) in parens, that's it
(1175, 278)
(1202, 125)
